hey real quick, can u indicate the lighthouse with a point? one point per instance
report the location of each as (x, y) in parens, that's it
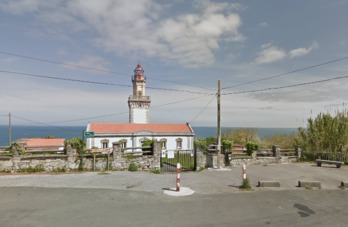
(139, 103)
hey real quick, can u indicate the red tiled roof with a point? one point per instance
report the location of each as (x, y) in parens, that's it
(133, 128)
(41, 142)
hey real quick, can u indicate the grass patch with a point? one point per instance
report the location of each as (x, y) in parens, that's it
(245, 185)
(36, 169)
(156, 171)
(133, 167)
(103, 173)
(5, 171)
(59, 170)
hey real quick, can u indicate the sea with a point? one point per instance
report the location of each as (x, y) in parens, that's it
(68, 132)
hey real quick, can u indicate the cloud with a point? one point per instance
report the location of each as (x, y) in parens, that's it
(146, 29)
(270, 53)
(299, 52)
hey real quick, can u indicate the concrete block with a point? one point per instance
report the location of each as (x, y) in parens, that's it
(309, 184)
(268, 184)
(344, 184)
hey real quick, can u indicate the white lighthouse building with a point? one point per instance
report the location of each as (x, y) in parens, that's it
(139, 103)
(133, 134)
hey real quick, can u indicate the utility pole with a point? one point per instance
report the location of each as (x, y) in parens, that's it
(9, 130)
(218, 126)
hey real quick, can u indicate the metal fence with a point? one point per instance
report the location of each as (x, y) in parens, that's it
(170, 158)
(332, 156)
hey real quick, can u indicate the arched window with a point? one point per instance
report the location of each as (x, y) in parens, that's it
(105, 143)
(178, 143)
(163, 143)
(123, 143)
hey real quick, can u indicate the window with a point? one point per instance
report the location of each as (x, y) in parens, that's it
(105, 143)
(123, 143)
(163, 143)
(178, 143)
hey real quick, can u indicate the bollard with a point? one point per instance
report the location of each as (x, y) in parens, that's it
(178, 177)
(244, 172)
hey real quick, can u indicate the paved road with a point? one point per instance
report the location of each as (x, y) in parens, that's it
(108, 207)
(137, 199)
(205, 182)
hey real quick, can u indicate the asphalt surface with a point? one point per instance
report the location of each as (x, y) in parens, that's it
(139, 199)
(210, 181)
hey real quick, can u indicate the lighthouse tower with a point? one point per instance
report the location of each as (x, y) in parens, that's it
(139, 103)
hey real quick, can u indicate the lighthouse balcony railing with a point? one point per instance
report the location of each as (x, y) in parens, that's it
(139, 98)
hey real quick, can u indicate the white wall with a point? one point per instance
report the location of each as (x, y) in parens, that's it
(187, 141)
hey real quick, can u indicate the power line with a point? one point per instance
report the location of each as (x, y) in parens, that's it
(40, 123)
(120, 113)
(95, 82)
(287, 86)
(93, 69)
(88, 118)
(283, 74)
(204, 108)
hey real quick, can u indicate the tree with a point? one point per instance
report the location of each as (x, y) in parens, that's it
(325, 133)
(227, 145)
(76, 143)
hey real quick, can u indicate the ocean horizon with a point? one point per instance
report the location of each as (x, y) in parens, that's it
(68, 132)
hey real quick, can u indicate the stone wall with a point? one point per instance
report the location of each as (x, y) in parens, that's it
(209, 160)
(115, 160)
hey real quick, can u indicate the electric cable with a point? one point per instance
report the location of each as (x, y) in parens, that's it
(93, 69)
(95, 82)
(287, 73)
(286, 86)
(202, 110)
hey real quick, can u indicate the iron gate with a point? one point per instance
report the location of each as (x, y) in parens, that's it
(170, 158)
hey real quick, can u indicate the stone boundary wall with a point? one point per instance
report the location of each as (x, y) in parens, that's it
(115, 160)
(209, 160)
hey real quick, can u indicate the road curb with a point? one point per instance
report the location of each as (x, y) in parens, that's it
(183, 191)
(268, 184)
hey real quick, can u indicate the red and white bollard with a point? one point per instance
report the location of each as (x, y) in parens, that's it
(178, 168)
(244, 172)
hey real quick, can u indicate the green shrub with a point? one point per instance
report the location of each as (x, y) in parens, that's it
(59, 170)
(245, 184)
(36, 169)
(133, 167)
(156, 171)
(251, 147)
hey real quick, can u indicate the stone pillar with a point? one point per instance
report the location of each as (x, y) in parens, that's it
(276, 152)
(16, 160)
(201, 160)
(298, 151)
(116, 151)
(72, 154)
(156, 165)
(254, 155)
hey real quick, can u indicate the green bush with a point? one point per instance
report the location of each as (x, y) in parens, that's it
(245, 184)
(251, 147)
(156, 171)
(133, 167)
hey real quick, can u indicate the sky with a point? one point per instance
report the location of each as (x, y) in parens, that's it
(70, 62)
